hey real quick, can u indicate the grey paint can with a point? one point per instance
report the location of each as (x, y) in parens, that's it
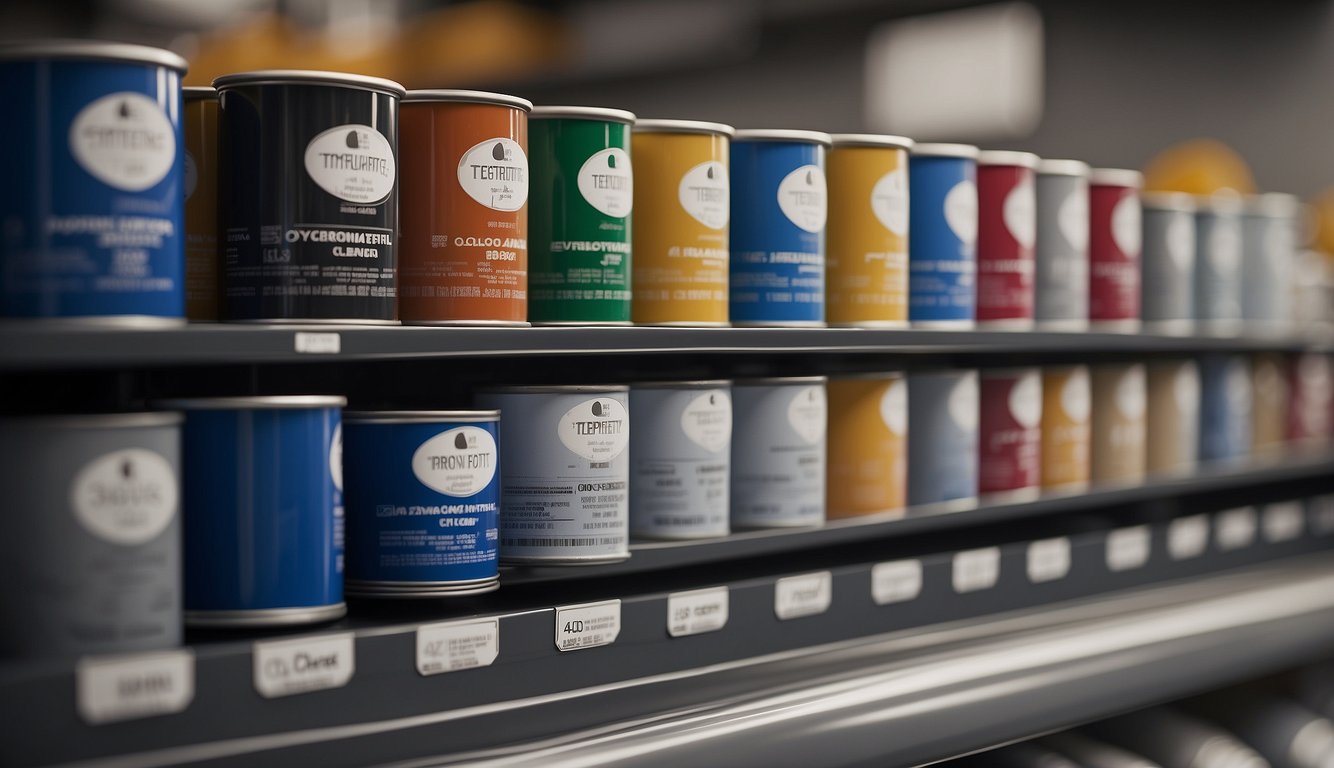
(779, 452)
(1167, 302)
(564, 487)
(1062, 247)
(1218, 272)
(943, 452)
(90, 556)
(1269, 253)
(680, 459)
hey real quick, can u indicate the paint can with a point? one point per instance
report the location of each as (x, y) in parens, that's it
(943, 452)
(564, 491)
(1115, 240)
(422, 503)
(1118, 423)
(92, 202)
(866, 259)
(263, 501)
(868, 445)
(465, 209)
(680, 242)
(1269, 406)
(942, 216)
(780, 204)
(1167, 291)
(1270, 229)
(1218, 269)
(579, 216)
(1061, 254)
(1225, 408)
(1010, 434)
(779, 452)
(1006, 240)
(201, 203)
(1311, 384)
(92, 552)
(308, 197)
(1173, 425)
(1066, 406)
(680, 459)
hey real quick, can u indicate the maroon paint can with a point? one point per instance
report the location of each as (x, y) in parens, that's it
(1006, 236)
(1010, 433)
(1115, 241)
(1311, 399)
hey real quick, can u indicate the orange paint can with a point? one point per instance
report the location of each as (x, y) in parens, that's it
(867, 446)
(1269, 405)
(1066, 406)
(1173, 427)
(463, 210)
(1118, 420)
(201, 203)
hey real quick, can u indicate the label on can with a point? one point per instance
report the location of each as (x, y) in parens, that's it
(353, 163)
(801, 198)
(1020, 212)
(961, 211)
(889, 201)
(494, 172)
(459, 463)
(705, 194)
(125, 141)
(606, 182)
(680, 462)
(778, 455)
(1072, 216)
(707, 421)
(595, 429)
(126, 497)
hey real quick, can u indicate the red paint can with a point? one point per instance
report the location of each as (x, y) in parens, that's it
(1010, 432)
(1311, 399)
(1114, 249)
(1006, 234)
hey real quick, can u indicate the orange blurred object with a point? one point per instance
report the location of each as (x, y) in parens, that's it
(1199, 167)
(1322, 212)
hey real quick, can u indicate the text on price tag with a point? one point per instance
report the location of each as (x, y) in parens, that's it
(588, 625)
(897, 581)
(128, 687)
(976, 569)
(1188, 537)
(454, 645)
(806, 595)
(1235, 528)
(1128, 548)
(697, 611)
(1048, 559)
(303, 664)
(1283, 521)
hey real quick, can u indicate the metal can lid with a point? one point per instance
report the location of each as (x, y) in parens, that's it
(97, 420)
(1007, 157)
(1276, 204)
(1167, 201)
(1063, 168)
(771, 380)
(683, 126)
(591, 389)
(418, 417)
(92, 50)
(710, 384)
(870, 140)
(1116, 177)
(966, 151)
(782, 134)
(309, 77)
(583, 113)
(255, 402)
(199, 92)
(468, 97)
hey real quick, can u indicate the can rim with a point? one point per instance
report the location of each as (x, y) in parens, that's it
(1275, 204)
(595, 113)
(966, 151)
(198, 92)
(1008, 157)
(705, 384)
(1062, 167)
(1116, 177)
(1168, 201)
(418, 417)
(426, 95)
(1220, 203)
(768, 380)
(93, 50)
(107, 420)
(556, 388)
(890, 376)
(870, 140)
(662, 125)
(304, 76)
(783, 134)
(254, 402)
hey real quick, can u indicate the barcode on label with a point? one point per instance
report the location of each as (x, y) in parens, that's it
(580, 542)
(599, 465)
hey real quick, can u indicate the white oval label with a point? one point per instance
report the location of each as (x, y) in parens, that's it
(1075, 399)
(1126, 226)
(459, 462)
(705, 194)
(803, 198)
(894, 407)
(963, 403)
(1130, 393)
(1026, 400)
(352, 162)
(806, 413)
(126, 497)
(1187, 387)
(707, 420)
(961, 211)
(1225, 246)
(607, 182)
(1020, 213)
(889, 201)
(124, 140)
(336, 457)
(1073, 219)
(1238, 389)
(191, 175)
(1180, 241)
(596, 429)
(495, 173)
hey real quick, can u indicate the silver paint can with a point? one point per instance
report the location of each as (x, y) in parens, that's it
(779, 452)
(680, 459)
(1270, 229)
(943, 453)
(1062, 272)
(1167, 301)
(1218, 272)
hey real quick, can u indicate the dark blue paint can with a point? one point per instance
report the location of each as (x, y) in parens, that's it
(1225, 408)
(423, 503)
(779, 209)
(942, 231)
(263, 490)
(92, 205)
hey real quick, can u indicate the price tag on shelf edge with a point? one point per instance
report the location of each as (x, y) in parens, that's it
(1235, 528)
(303, 664)
(974, 570)
(1048, 559)
(1283, 521)
(809, 594)
(897, 581)
(317, 343)
(697, 611)
(1128, 548)
(113, 688)
(1321, 510)
(1188, 537)
(454, 645)
(587, 626)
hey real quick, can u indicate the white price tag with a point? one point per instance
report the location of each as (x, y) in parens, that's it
(1188, 537)
(976, 569)
(897, 581)
(1282, 521)
(588, 625)
(697, 611)
(303, 664)
(1048, 559)
(115, 688)
(322, 343)
(1235, 528)
(1128, 548)
(1322, 515)
(454, 645)
(806, 595)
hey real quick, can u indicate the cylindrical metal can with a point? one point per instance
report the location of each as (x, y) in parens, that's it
(1062, 250)
(1311, 384)
(1225, 408)
(866, 260)
(1173, 417)
(91, 552)
(92, 205)
(868, 445)
(1066, 403)
(564, 491)
(423, 503)
(680, 459)
(579, 216)
(683, 202)
(943, 452)
(308, 197)
(1115, 240)
(465, 209)
(1006, 238)
(1167, 290)
(942, 216)
(779, 452)
(1269, 254)
(1218, 270)
(1118, 437)
(780, 204)
(201, 204)
(1010, 433)
(263, 496)
(1269, 407)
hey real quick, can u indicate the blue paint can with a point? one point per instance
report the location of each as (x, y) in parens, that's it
(779, 209)
(1225, 408)
(93, 200)
(423, 503)
(942, 220)
(943, 454)
(263, 491)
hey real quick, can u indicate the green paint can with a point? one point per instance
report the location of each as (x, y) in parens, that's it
(582, 192)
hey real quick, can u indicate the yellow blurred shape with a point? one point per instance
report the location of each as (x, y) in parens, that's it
(1322, 212)
(1199, 167)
